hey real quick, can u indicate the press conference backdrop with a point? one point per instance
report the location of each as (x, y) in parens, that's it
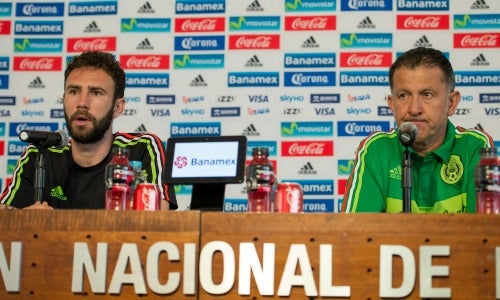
(306, 78)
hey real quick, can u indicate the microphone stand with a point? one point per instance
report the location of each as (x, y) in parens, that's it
(39, 174)
(406, 180)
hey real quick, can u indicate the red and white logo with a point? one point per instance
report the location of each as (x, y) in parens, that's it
(427, 22)
(199, 24)
(253, 41)
(307, 148)
(365, 59)
(158, 62)
(92, 44)
(37, 63)
(476, 40)
(310, 23)
(5, 27)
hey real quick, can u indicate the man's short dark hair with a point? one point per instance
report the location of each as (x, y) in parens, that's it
(100, 60)
(424, 57)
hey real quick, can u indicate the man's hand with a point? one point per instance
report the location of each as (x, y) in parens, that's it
(38, 205)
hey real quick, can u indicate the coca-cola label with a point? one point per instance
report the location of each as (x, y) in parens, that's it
(92, 44)
(199, 24)
(37, 63)
(365, 59)
(476, 40)
(426, 22)
(305, 23)
(254, 41)
(156, 62)
(307, 148)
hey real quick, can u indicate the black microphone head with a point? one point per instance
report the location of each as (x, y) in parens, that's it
(64, 138)
(407, 133)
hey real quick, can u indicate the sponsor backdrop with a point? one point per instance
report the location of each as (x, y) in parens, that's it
(306, 78)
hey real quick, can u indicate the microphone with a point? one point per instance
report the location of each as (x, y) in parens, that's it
(45, 138)
(407, 133)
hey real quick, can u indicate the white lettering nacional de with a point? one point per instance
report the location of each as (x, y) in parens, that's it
(249, 263)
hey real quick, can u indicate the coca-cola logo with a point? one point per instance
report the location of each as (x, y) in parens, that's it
(307, 148)
(486, 40)
(422, 23)
(253, 43)
(199, 25)
(93, 45)
(316, 23)
(37, 63)
(149, 62)
(372, 59)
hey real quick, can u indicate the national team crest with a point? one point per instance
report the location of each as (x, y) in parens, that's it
(452, 171)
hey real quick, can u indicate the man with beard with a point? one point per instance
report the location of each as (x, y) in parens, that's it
(94, 85)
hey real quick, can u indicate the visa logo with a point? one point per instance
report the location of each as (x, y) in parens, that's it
(258, 98)
(160, 112)
(324, 111)
(492, 111)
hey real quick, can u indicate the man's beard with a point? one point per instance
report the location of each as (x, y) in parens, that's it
(92, 135)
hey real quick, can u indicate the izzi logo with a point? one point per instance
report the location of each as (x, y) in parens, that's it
(200, 7)
(423, 5)
(199, 61)
(145, 80)
(145, 25)
(477, 78)
(310, 5)
(349, 5)
(89, 8)
(300, 79)
(253, 79)
(31, 9)
(199, 43)
(361, 128)
(248, 23)
(310, 60)
(178, 129)
(294, 129)
(366, 40)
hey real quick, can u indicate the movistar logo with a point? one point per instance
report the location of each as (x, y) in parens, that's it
(363, 40)
(306, 129)
(182, 63)
(310, 5)
(345, 166)
(58, 193)
(237, 25)
(482, 21)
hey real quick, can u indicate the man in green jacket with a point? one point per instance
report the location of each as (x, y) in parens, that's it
(443, 155)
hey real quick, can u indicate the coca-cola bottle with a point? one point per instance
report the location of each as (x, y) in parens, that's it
(487, 181)
(260, 181)
(119, 176)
